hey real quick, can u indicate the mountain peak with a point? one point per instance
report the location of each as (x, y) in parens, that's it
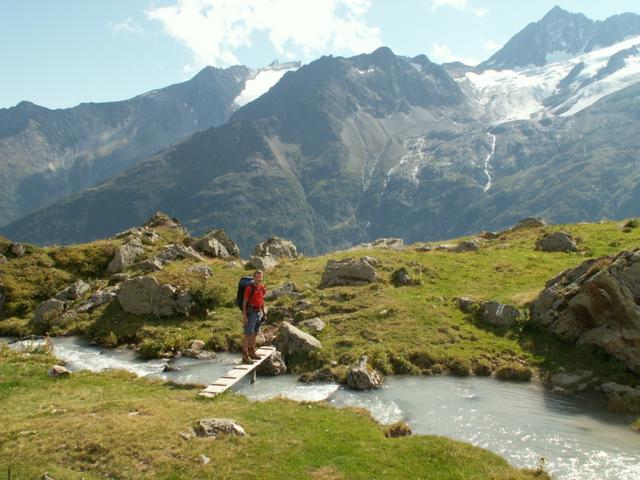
(557, 12)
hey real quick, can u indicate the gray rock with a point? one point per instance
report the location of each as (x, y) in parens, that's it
(59, 371)
(445, 247)
(373, 261)
(178, 252)
(570, 382)
(199, 354)
(301, 305)
(3, 259)
(212, 247)
(160, 219)
(281, 291)
(197, 345)
(597, 303)
(424, 248)
(401, 278)
(467, 305)
(125, 256)
(73, 292)
(265, 263)
(393, 243)
(557, 242)
(99, 297)
(362, 377)
(222, 238)
(276, 247)
(47, 311)
(347, 272)
(316, 324)
(144, 295)
(499, 314)
(18, 249)
(622, 398)
(204, 460)
(212, 427)
(149, 265)
(118, 278)
(274, 365)
(291, 340)
(201, 269)
(467, 246)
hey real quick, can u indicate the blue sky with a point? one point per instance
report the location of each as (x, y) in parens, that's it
(63, 52)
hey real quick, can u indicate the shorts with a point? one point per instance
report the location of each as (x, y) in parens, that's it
(254, 319)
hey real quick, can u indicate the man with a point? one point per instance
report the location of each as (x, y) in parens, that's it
(252, 315)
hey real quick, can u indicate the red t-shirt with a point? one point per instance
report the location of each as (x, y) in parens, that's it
(255, 296)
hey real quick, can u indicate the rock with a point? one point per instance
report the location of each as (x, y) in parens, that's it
(144, 295)
(99, 297)
(199, 354)
(347, 272)
(489, 235)
(424, 248)
(118, 278)
(466, 246)
(32, 344)
(59, 371)
(276, 247)
(363, 377)
(125, 256)
(373, 261)
(212, 247)
(529, 223)
(187, 435)
(622, 398)
(322, 375)
(292, 340)
(232, 264)
(46, 476)
(316, 324)
(3, 259)
(393, 243)
(204, 459)
(281, 291)
(301, 305)
(221, 237)
(570, 382)
(197, 345)
(467, 305)
(202, 269)
(212, 427)
(446, 247)
(18, 249)
(397, 430)
(178, 252)
(160, 219)
(153, 265)
(401, 278)
(265, 263)
(273, 365)
(556, 242)
(47, 311)
(74, 291)
(170, 368)
(596, 303)
(499, 314)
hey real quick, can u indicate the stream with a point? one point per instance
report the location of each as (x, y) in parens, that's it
(577, 436)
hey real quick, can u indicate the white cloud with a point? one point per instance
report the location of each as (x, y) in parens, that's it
(492, 46)
(443, 54)
(461, 5)
(127, 26)
(214, 29)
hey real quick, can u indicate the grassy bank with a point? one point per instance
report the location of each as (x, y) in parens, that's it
(112, 425)
(414, 329)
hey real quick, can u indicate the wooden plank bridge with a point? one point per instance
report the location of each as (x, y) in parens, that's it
(238, 373)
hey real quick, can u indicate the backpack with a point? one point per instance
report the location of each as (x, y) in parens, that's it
(242, 286)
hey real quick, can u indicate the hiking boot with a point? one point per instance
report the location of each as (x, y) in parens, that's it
(254, 355)
(246, 359)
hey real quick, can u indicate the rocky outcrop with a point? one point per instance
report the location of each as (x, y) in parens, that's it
(291, 340)
(148, 266)
(99, 297)
(597, 303)
(569, 383)
(467, 305)
(557, 242)
(18, 249)
(73, 292)
(401, 278)
(362, 377)
(125, 256)
(622, 398)
(3, 259)
(265, 263)
(466, 246)
(212, 427)
(178, 252)
(144, 295)
(282, 291)
(529, 223)
(201, 269)
(48, 311)
(276, 247)
(499, 314)
(160, 219)
(218, 244)
(273, 365)
(59, 371)
(144, 234)
(347, 272)
(314, 324)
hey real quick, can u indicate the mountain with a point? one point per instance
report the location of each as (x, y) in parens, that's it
(47, 154)
(560, 35)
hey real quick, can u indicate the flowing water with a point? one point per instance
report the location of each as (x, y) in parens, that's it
(577, 436)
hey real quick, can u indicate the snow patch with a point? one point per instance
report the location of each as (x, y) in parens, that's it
(260, 82)
(368, 70)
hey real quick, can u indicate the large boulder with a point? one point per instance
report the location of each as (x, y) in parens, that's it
(347, 272)
(47, 311)
(557, 242)
(99, 297)
(73, 292)
(18, 249)
(291, 340)
(363, 377)
(125, 256)
(597, 303)
(284, 290)
(570, 382)
(220, 236)
(59, 371)
(212, 247)
(265, 263)
(499, 314)
(178, 252)
(467, 246)
(276, 247)
(144, 295)
(212, 427)
(273, 365)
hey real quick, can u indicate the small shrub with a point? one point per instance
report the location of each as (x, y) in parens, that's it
(515, 372)
(459, 366)
(401, 365)
(398, 429)
(109, 340)
(208, 296)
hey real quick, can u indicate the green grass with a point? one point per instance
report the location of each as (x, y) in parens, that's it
(413, 329)
(112, 425)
